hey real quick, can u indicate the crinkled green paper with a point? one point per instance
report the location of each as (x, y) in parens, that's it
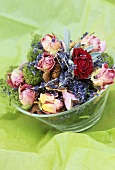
(25, 142)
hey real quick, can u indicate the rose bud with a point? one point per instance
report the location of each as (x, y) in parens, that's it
(50, 43)
(103, 76)
(15, 79)
(99, 46)
(83, 61)
(26, 96)
(46, 63)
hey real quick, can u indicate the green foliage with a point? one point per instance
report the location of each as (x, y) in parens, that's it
(107, 58)
(31, 56)
(7, 91)
(3, 88)
(32, 75)
(35, 50)
(11, 68)
(14, 97)
(35, 39)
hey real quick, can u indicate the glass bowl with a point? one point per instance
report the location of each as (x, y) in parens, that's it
(78, 118)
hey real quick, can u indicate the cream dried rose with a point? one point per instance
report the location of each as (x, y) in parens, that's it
(103, 75)
(99, 46)
(50, 43)
(49, 103)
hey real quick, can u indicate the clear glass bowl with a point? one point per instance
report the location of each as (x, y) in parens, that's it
(77, 119)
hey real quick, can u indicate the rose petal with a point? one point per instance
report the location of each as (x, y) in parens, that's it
(58, 104)
(46, 97)
(68, 97)
(103, 46)
(49, 107)
(25, 86)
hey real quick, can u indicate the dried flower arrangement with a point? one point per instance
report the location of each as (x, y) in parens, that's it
(59, 74)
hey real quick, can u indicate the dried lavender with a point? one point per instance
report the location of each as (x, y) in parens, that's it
(82, 89)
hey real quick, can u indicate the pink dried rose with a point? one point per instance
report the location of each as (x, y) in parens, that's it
(103, 75)
(49, 103)
(26, 96)
(89, 40)
(68, 99)
(50, 43)
(46, 63)
(15, 79)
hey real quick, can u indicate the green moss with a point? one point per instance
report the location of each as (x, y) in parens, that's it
(11, 68)
(35, 39)
(107, 58)
(32, 75)
(31, 56)
(14, 97)
(35, 50)
(7, 91)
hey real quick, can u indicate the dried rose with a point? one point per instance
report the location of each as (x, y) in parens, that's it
(83, 61)
(49, 107)
(49, 103)
(26, 96)
(103, 76)
(47, 62)
(89, 40)
(15, 79)
(50, 43)
(46, 97)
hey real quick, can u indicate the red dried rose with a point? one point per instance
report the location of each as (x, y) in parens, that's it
(83, 61)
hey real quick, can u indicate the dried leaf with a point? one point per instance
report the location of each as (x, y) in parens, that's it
(56, 71)
(35, 109)
(67, 39)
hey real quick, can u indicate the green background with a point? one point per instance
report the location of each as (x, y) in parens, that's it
(26, 143)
